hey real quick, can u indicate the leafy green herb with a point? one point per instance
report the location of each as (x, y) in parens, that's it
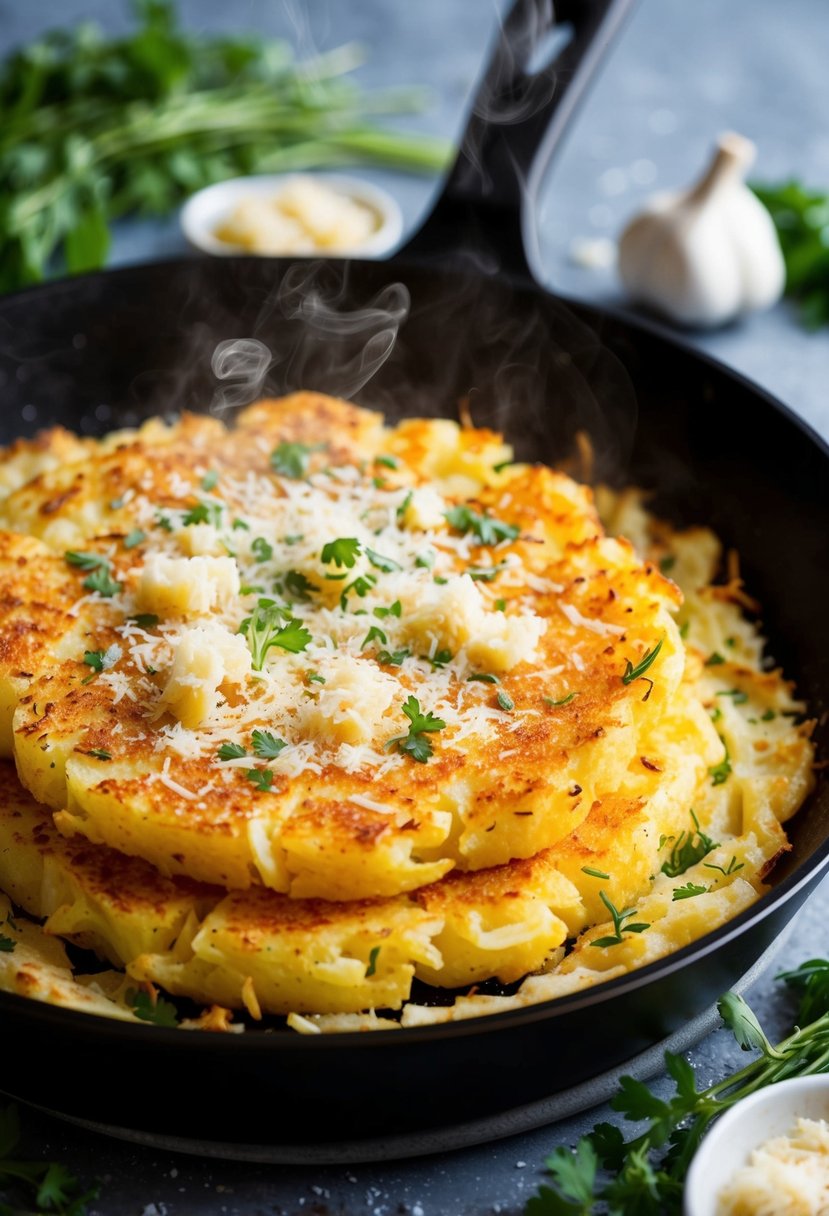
(425, 560)
(261, 550)
(689, 848)
(102, 581)
(619, 926)
(440, 658)
(714, 660)
(386, 564)
(53, 1188)
(271, 625)
(314, 677)
(101, 660)
(403, 506)
(644, 1175)
(716, 714)
(393, 658)
(632, 673)
(720, 773)
(145, 620)
(488, 529)
(562, 701)
(505, 701)
(415, 743)
(394, 609)
(239, 525)
(163, 521)
(373, 955)
(500, 605)
(262, 778)
(375, 634)
(594, 873)
(99, 753)
(136, 537)
(342, 552)
(667, 563)
(204, 513)
(484, 677)
(361, 586)
(768, 716)
(251, 589)
(231, 751)
(688, 891)
(7, 944)
(297, 586)
(266, 746)
(389, 462)
(86, 561)
(485, 574)
(291, 459)
(159, 1012)
(210, 481)
(733, 866)
(801, 217)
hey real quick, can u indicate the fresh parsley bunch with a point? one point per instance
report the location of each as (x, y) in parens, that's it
(801, 218)
(51, 1187)
(644, 1176)
(93, 128)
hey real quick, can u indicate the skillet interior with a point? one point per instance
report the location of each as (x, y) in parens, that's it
(104, 350)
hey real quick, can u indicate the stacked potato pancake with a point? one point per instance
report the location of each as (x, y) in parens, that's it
(299, 710)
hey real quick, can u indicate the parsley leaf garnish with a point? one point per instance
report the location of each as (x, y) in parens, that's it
(714, 660)
(487, 528)
(375, 634)
(393, 658)
(210, 481)
(738, 697)
(373, 955)
(719, 773)
(266, 746)
(86, 561)
(298, 586)
(342, 552)
(262, 778)
(386, 564)
(99, 753)
(145, 620)
(261, 550)
(204, 513)
(394, 609)
(159, 1012)
(689, 848)
(101, 660)
(7, 944)
(389, 462)
(231, 751)
(270, 625)
(688, 891)
(415, 743)
(619, 926)
(134, 538)
(291, 459)
(361, 586)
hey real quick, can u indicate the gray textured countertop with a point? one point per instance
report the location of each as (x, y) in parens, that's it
(681, 73)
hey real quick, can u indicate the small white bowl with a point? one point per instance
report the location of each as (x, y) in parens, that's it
(207, 209)
(770, 1112)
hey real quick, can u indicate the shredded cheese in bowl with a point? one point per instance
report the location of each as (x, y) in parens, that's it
(304, 216)
(785, 1176)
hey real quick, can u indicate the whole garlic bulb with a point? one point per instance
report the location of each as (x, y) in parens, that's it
(706, 255)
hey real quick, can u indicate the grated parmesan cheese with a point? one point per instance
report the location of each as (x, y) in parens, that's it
(786, 1176)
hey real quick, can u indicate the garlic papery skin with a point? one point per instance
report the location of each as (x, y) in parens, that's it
(709, 254)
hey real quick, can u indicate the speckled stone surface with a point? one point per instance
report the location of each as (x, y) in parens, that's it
(681, 73)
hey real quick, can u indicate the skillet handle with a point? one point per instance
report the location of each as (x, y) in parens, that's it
(486, 210)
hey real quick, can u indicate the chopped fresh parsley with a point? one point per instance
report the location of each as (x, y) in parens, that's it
(361, 586)
(386, 564)
(342, 552)
(7, 944)
(389, 462)
(145, 620)
(393, 658)
(297, 586)
(99, 753)
(425, 560)
(571, 696)
(136, 537)
(239, 525)
(403, 506)
(619, 926)
(488, 529)
(231, 751)
(715, 714)
(86, 561)
(714, 660)
(163, 521)
(375, 634)
(485, 574)
(291, 459)
(373, 955)
(595, 873)
(394, 609)
(210, 481)
(261, 550)
(485, 677)
(500, 605)
(262, 778)
(688, 848)
(416, 743)
(313, 677)
(159, 1011)
(688, 891)
(266, 746)
(440, 658)
(505, 701)
(768, 716)
(101, 660)
(271, 625)
(102, 581)
(204, 513)
(720, 773)
(251, 589)
(738, 697)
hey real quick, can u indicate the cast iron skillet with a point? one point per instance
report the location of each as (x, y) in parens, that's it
(109, 348)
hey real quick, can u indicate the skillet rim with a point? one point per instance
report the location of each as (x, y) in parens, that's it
(806, 874)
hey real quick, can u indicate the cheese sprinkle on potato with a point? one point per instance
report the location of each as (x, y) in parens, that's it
(341, 705)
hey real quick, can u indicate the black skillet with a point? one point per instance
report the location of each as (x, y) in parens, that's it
(106, 349)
